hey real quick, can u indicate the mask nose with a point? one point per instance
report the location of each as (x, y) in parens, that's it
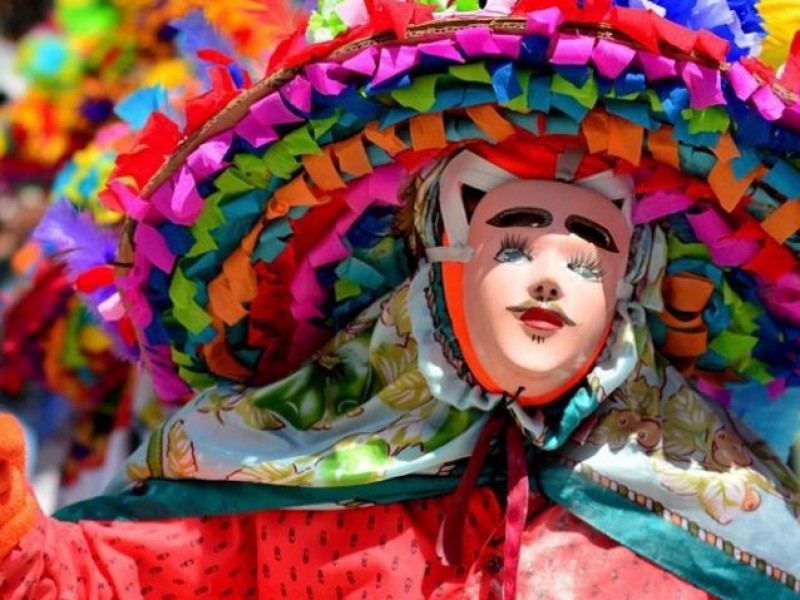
(545, 291)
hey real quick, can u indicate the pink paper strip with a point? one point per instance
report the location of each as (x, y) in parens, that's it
(508, 45)
(297, 93)
(131, 203)
(544, 22)
(445, 49)
(326, 78)
(394, 61)
(704, 84)
(138, 308)
(656, 66)
(572, 50)
(210, 156)
(743, 83)
(272, 111)
(254, 132)
(611, 58)
(150, 243)
(767, 103)
(711, 229)
(659, 204)
(363, 63)
(783, 297)
(187, 203)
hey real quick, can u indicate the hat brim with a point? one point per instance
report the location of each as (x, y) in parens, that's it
(249, 248)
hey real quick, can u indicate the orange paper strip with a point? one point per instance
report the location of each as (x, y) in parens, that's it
(685, 343)
(222, 302)
(663, 146)
(783, 222)
(490, 122)
(726, 149)
(595, 128)
(727, 188)
(296, 193)
(385, 139)
(323, 172)
(687, 292)
(427, 132)
(625, 139)
(352, 156)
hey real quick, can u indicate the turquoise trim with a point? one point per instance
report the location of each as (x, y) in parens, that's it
(659, 540)
(166, 499)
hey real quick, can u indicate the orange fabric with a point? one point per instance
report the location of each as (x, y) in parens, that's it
(18, 508)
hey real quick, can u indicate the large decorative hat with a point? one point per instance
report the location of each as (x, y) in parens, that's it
(274, 215)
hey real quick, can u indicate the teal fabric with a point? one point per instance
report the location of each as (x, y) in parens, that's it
(657, 539)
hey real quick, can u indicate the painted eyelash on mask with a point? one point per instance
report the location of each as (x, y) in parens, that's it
(515, 242)
(587, 267)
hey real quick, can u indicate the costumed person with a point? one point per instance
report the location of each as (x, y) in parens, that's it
(458, 295)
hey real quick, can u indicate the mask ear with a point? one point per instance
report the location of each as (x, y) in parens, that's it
(471, 197)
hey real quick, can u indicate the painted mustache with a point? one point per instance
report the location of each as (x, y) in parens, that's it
(541, 315)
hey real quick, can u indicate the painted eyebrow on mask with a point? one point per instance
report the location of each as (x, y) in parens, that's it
(521, 216)
(592, 232)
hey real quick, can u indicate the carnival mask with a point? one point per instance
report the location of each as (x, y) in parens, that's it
(539, 289)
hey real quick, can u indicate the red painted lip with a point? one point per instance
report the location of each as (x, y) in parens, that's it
(541, 318)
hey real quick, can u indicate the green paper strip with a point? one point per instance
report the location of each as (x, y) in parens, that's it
(420, 95)
(474, 72)
(185, 310)
(586, 95)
